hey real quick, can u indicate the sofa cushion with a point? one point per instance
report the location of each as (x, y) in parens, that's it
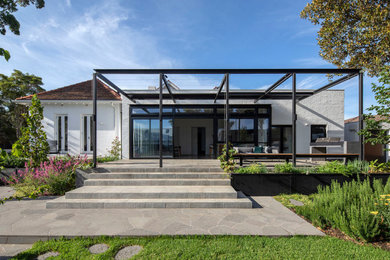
(258, 149)
(245, 149)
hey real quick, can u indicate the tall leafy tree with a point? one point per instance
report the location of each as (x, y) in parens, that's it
(11, 87)
(353, 33)
(33, 142)
(377, 124)
(7, 19)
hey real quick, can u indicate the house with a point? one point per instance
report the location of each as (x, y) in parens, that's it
(193, 125)
(67, 115)
(371, 152)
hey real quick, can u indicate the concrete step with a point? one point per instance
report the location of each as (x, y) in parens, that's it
(152, 192)
(159, 175)
(157, 169)
(156, 182)
(148, 203)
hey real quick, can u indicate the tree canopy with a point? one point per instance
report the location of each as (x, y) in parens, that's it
(7, 19)
(11, 87)
(377, 125)
(353, 33)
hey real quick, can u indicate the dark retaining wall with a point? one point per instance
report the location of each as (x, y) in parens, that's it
(271, 184)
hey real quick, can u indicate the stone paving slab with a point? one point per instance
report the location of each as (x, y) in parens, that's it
(6, 191)
(29, 221)
(7, 251)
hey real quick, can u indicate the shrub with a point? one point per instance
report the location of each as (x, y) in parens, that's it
(33, 142)
(287, 168)
(383, 213)
(252, 169)
(115, 151)
(54, 177)
(227, 164)
(10, 161)
(375, 167)
(337, 167)
(106, 159)
(347, 208)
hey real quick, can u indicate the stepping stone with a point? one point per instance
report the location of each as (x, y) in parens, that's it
(127, 252)
(98, 248)
(296, 202)
(47, 255)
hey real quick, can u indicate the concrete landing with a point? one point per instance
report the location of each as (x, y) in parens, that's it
(27, 221)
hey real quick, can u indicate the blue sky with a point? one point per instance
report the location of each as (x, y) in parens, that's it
(66, 40)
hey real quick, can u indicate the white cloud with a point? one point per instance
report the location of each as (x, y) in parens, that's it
(68, 3)
(312, 62)
(64, 49)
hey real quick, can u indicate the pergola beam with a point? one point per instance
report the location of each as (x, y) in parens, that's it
(220, 88)
(332, 84)
(275, 85)
(111, 84)
(229, 71)
(168, 88)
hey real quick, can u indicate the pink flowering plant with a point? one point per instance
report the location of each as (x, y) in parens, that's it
(53, 177)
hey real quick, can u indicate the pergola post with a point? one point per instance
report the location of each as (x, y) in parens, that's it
(361, 126)
(161, 121)
(94, 117)
(294, 120)
(227, 116)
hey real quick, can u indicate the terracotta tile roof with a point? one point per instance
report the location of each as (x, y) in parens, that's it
(356, 119)
(78, 91)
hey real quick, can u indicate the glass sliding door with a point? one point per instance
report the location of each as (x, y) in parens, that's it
(282, 138)
(146, 138)
(263, 127)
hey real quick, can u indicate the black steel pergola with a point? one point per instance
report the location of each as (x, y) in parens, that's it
(294, 95)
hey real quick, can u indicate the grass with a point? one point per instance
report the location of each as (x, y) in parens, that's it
(212, 247)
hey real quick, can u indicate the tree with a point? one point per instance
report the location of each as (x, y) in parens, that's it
(8, 7)
(377, 125)
(33, 142)
(353, 33)
(11, 87)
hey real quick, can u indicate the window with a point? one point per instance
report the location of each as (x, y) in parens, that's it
(87, 133)
(263, 131)
(317, 131)
(240, 130)
(62, 133)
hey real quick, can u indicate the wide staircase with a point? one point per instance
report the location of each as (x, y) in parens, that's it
(120, 186)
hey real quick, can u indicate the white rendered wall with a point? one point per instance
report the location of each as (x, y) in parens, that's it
(108, 120)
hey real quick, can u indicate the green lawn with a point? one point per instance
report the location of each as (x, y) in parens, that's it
(212, 247)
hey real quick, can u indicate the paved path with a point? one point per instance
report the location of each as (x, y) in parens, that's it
(7, 251)
(6, 192)
(28, 221)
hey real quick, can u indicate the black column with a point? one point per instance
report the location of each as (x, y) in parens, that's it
(227, 117)
(94, 117)
(294, 120)
(161, 122)
(361, 144)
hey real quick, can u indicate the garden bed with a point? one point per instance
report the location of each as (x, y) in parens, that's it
(271, 184)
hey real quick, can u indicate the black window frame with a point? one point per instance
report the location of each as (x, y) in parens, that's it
(318, 125)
